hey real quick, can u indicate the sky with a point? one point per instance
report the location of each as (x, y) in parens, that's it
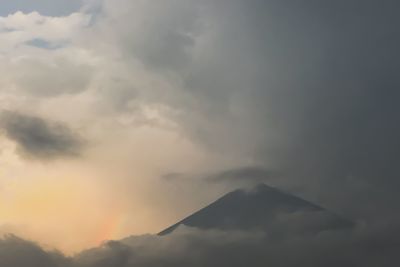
(45, 7)
(120, 117)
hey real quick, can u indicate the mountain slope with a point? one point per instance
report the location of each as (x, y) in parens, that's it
(263, 208)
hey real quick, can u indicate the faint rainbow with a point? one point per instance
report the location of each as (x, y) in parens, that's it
(109, 229)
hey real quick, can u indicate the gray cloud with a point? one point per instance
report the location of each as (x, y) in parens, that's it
(251, 175)
(241, 177)
(309, 89)
(17, 252)
(166, 39)
(332, 88)
(192, 247)
(39, 139)
(50, 79)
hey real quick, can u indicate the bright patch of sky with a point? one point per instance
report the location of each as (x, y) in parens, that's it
(44, 7)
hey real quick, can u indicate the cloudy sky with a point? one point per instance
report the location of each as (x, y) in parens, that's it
(120, 117)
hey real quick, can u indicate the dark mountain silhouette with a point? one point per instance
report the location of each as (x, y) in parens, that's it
(263, 208)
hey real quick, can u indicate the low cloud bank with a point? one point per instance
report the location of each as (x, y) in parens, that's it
(193, 247)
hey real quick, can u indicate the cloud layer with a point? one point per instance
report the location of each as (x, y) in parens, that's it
(191, 247)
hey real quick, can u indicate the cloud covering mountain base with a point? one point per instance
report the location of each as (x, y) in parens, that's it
(193, 247)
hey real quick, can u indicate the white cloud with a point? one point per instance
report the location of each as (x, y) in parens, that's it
(17, 28)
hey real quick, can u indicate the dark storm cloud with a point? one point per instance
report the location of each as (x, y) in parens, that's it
(308, 88)
(331, 83)
(39, 139)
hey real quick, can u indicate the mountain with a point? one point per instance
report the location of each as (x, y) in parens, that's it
(263, 208)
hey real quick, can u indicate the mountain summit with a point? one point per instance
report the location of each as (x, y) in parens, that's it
(263, 208)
